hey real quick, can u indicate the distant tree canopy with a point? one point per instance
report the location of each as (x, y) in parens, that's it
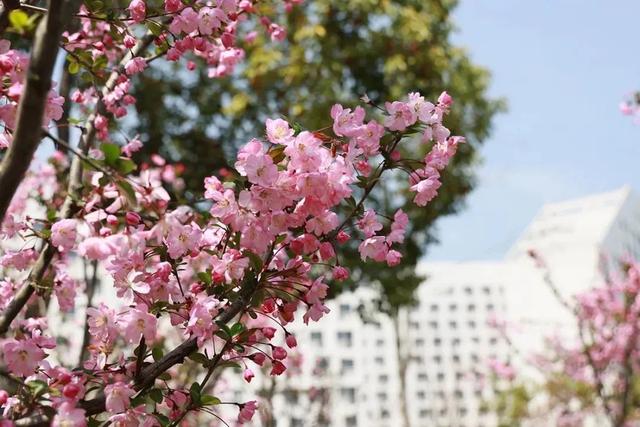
(334, 52)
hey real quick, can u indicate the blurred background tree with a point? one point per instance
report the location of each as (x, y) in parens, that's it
(334, 52)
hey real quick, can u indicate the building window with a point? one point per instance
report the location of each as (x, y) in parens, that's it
(471, 307)
(414, 325)
(440, 376)
(351, 421)
(348, 394)
(419, 342)
(437, 341)
(322, 363)
(468, 290)
(345, 309)
(437, 359)
(345, 339)
(382, 396)
(346, 366)
(383, 378)
(425, 413)
(486, 290)
(434, 307)
(316, 338)
(422, 376)
(453, 324)
(291, 396)
(296, 422)
(453, 307)
(455, 342)
(379, 360)
(421, 395)
(384, 413)
(433, 324)
(380, 342)
(472, 324)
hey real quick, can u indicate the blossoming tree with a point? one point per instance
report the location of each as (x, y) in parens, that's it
(257, 248)
(593, 379)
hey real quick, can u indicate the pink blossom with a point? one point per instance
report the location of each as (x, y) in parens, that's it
(393, 258)
(118, 397)
(210, 18)
(279, 131)
(322, 224)
(138, 10)
(95, 248)
(22, 357)
(347, 122)
(401, 116)
(369, 224)
(260, 170)
(183, 239)
(63, 234)
(135, 65)
(101, 321)
(373, 247)
(136, 323)
(68, 415)
(246, 411)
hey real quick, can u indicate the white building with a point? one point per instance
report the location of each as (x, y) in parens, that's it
(447, 337)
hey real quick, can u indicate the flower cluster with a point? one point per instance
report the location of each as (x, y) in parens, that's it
(263, 247)
(13, 66)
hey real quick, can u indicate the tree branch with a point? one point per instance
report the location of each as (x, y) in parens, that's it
(31, 108)
(73, 190)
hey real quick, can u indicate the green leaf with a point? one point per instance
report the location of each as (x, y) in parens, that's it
(156, 395)
(163, 419)
(194, 392)
(19, 20)
(125, 166)
(157, 353)
(73, 67)
(154, 27)
(205, 277)
(199, 358)
(256, 261)
(207, 399)
(127, 189)
(111, 153)
(165, 376)
(37, 387)
(236, 329)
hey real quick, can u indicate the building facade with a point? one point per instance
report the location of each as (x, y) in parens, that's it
(448, 339)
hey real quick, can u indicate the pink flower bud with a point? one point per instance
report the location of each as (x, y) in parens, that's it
(279, 353)
(277, 368)
(133, 218)
(340, 273)
(342, 237)
(291, 341)
(70, 391)
(248, 375)
(268, 332)
(258, 358)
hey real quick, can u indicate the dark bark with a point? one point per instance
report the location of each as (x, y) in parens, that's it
(28, 132)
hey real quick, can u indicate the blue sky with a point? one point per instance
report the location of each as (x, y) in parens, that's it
(563, 66)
